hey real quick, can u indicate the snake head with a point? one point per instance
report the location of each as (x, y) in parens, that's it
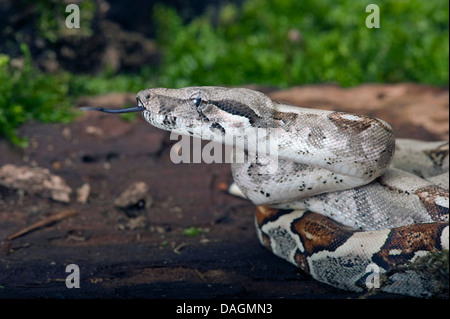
(213, 108)
(202, 111)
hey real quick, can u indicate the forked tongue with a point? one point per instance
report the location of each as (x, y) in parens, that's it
(101, 109)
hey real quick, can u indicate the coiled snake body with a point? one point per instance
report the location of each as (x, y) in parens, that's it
(333, 199)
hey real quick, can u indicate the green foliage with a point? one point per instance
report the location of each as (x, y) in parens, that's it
(283, 42)
(51, 15)
(28, 94)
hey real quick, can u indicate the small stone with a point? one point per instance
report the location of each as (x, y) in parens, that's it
(133, 199)
(93, 130)
(35, 181)
(83, 193)
(66, 133)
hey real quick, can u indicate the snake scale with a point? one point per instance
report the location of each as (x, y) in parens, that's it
(340, 197)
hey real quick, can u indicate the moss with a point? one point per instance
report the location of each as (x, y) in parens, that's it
(192, 231)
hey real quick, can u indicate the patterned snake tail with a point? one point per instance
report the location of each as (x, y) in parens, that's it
(345, 201)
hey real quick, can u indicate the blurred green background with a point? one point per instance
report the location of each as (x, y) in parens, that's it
(131, 45)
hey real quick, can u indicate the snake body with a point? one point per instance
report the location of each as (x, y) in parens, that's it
(336, 202)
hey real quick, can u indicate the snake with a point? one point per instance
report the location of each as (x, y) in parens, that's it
(336, 194)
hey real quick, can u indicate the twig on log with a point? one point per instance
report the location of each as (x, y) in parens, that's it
(51, 219)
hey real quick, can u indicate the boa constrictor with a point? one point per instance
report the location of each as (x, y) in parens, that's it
(333, 199)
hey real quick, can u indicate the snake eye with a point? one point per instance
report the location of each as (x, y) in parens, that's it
(199, 100)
